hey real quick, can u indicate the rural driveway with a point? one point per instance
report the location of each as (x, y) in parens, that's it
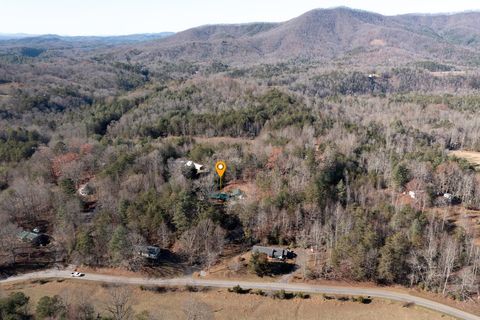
(294, 287)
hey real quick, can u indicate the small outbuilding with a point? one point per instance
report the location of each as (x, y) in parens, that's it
(85, 190)
(220, 196)
(274, 252)
(200, 168)
(237, 194)
(448, 196)
(149, 252)
(38, 239)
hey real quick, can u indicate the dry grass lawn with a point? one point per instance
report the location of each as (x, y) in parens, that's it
(220, 304)
(471, 156)
(441, 74)
(464, 218)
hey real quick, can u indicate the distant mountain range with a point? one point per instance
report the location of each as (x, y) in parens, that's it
(9, 36)
(339, 35)
(110, 39)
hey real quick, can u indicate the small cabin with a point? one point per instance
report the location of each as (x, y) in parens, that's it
(37, 239)
(149, 252)
(220, 196)
(274, 252)
(200, 168)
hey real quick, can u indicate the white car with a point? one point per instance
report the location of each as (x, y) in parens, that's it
(77, 274)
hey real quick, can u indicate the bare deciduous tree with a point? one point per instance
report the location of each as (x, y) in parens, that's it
(8, 240)
(119, 304)
(449, 256)
(203, 243)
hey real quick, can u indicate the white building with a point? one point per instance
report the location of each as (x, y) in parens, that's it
(199, 167)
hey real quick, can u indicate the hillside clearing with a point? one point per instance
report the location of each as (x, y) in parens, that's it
(471, 156)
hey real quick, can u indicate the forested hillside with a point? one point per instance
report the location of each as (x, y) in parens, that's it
(342, 35)
(349, 160)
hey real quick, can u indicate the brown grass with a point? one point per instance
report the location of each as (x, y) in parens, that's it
(249, 188)
(225, 305)
(471, 156)
(441, 74)
(226, 140)
(461, 217)
(378, 43)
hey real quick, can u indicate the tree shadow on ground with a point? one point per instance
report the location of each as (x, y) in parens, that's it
(169, 264)
(279, 268)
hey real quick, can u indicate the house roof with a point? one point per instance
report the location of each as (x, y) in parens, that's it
(236, 193)
(197, 166)
(219, 196)
(27, 235)
(272, 252)
(150, 251)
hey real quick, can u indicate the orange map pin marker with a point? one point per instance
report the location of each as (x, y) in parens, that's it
(220, 167)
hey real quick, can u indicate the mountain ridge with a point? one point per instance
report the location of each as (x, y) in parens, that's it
(327, 34)
(339, 35)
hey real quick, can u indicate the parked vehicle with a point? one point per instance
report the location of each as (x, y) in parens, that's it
(77, 274)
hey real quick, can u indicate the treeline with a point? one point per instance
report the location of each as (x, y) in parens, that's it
(400, 80)
(103, 114)
(275, 107)
(19, 144)
(468, 103)
(56, 100)
(177, 116)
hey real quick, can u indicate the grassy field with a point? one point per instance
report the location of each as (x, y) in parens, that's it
(221, 304)
(471, 156)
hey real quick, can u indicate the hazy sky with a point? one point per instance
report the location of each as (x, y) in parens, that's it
(110, 17)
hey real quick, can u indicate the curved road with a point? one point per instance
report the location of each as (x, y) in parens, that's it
(295, 287)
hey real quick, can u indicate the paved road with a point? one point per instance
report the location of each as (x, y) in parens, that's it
(294, 287)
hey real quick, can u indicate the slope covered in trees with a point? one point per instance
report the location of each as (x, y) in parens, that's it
(340, 34)
(94, 143)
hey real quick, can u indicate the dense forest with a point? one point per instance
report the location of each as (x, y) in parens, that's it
(331, 154)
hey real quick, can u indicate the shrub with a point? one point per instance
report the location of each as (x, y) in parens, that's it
(239, 290)
(343, 298)
(258, 292)
(14, 306)
(279, 294)
(408, 304)
(258, 263)
(302, 295)
(68, 186)
(191, 288)
(310, 274)
(282, 295)
(40, 281)
(362, 300)
(50, 307)
(156, 289)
